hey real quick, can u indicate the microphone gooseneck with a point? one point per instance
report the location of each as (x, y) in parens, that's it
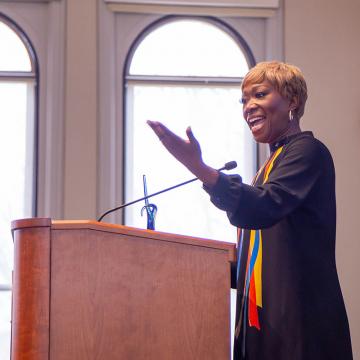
(228, 166)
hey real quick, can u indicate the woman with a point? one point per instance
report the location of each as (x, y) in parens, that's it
(289, 302)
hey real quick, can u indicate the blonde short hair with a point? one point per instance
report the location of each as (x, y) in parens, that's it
(287, 79)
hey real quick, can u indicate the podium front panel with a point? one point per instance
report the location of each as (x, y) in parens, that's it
(112, 292)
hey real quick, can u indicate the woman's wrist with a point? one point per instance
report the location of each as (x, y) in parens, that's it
(206, 174)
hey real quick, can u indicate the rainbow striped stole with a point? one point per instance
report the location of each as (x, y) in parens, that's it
(252, 297)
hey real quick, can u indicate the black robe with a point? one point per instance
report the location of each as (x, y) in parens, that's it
(289, 301)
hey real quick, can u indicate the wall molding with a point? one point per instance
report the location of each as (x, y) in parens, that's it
(274, 4)
(233, 8)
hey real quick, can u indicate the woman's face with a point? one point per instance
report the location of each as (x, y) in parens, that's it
(266, 112)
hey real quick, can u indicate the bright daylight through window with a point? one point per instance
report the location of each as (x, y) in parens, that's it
(185, 73)
(17, 84)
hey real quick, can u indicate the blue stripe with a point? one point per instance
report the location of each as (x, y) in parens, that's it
(253, 257)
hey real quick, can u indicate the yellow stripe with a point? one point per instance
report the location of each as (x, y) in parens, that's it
(266, 175)
(252, 240)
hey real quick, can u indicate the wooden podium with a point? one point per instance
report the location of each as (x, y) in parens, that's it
(89, 290)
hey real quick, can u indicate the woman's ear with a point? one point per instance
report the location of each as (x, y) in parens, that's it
(294, 103)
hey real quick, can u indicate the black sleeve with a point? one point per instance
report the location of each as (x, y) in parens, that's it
(290, 182)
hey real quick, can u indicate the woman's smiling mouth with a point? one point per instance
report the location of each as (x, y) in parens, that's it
(256, 122)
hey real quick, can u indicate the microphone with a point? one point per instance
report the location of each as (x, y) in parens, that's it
(228, 166)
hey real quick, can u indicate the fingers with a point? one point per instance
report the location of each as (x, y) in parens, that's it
(160, 130)
(190, 134)
(167, 137)
(191, 137)
(157, 127)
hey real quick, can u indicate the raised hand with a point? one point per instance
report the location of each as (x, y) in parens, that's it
(187, 151)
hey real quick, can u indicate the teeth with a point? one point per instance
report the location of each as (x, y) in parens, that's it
(254, 120)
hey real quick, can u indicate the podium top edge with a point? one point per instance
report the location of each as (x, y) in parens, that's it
(123, 229)
(30, 222)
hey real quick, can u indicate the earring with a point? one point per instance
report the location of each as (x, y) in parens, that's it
(291, 115)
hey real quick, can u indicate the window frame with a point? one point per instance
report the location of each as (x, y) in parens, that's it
(177, 80)
(33, 75)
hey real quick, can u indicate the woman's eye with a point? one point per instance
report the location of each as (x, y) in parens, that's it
(260, 94)
(242, 101)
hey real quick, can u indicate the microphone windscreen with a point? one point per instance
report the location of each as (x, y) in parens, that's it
(230, 165)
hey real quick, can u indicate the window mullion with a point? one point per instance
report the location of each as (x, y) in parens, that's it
(188, 80)
(17, 75)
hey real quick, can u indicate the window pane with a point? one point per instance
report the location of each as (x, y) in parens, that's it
(16, 158)
(189, 48)
(16, 183)
(215, 115)
(13, 54)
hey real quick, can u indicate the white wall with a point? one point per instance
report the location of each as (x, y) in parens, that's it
(322, 38)
(81, 110)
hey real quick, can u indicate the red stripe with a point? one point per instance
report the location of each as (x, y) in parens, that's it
(253, 312)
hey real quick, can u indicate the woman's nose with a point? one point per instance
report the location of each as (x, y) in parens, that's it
(249, 107)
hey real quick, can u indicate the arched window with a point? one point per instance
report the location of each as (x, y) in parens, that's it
(17, 152)
(185, 72)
